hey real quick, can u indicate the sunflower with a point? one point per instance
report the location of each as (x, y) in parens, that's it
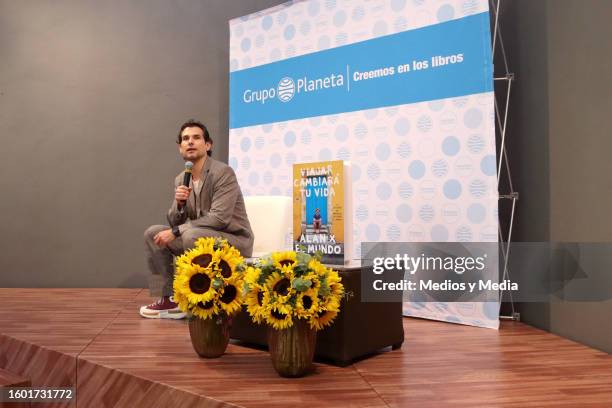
(206, 310)
(279, 284)
(206, 243)
(286, 258)
(329, 302)
(230, 299)
(317, 268)
(322, 319)
(201, 255)
(194, 283)
(227, 259)
(182, 301)
(258, 302)
(307, 303)
(279, 320)
(252, 275)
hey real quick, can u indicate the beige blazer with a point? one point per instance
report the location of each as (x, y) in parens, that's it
(219, 206)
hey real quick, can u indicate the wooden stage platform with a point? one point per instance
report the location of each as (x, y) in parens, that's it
(95, 340)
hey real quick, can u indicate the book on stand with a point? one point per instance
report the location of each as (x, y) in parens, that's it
(322, 216)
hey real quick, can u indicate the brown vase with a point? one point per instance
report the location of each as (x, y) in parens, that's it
(292, 349)
(210, 336)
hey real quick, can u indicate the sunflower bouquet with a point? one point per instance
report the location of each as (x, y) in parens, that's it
(286, 286)
(209, 279)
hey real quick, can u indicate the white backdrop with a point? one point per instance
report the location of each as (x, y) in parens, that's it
(422, 171)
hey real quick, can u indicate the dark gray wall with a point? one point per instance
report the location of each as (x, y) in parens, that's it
(91, 97)
(560, 142)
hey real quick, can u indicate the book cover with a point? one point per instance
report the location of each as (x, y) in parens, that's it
(321, 204)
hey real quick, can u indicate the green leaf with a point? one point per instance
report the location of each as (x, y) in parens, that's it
(301, 285)
(217, 283)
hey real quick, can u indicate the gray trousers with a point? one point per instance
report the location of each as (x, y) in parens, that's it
(161, 260)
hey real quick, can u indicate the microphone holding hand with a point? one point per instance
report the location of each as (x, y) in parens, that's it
(182, 192)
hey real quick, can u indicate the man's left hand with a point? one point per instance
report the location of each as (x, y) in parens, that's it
(163, 238)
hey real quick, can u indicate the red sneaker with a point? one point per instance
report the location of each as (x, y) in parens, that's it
(163, 308)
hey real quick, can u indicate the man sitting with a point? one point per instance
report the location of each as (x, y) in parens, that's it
(211, 206)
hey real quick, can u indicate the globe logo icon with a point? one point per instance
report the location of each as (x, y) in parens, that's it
(286, 89)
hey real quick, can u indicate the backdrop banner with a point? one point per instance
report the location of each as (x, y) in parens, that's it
(403, 89)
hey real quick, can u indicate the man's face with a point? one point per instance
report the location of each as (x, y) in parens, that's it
(193, 147)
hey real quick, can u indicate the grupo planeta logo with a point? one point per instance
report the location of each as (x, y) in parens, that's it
(286, 89)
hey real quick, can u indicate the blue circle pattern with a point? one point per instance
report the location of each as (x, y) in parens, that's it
(451, 146)
(245, 44)
(427, 213)
(445, 12)
(362, 213)
(233, 162)
(268, 178)
(246, 163)
(355, 173)
(405, 190)
(416, 169)
(290, 158)
(475, 144)
(383, 151)
(383, 191)
(452, 189)
(404, 150)
(281, 18)
(339, 18)
(476, 213)
(478, 188)
(393, 232)
(259, 142)
(361, 131)
(488, 165)
(424, 124)
(372, 232)
(289, 138)
(463, 234)
(439, 233)
(245, 144)
(403, 213)
(341, 38)
(342, 133)
(439, 168)
(472, 118)
(289, 32)
(358, 13)
(373, 171)
(306, 137)
(266, 23)
(491, 310)
(343, 154)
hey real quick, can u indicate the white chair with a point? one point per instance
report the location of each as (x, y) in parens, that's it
(271, 222)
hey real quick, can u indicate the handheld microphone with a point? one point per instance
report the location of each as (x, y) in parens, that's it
(187, 177)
